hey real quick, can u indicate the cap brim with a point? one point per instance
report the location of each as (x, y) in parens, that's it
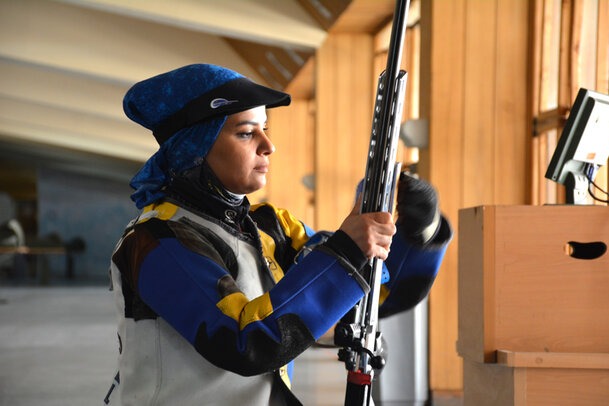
(233, 97)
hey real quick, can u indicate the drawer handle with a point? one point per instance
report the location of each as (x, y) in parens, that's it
(585, 250)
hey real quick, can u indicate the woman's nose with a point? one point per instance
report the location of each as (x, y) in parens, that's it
(266, 146)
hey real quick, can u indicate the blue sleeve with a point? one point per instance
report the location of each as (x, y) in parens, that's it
(198, 297)
(413, 270)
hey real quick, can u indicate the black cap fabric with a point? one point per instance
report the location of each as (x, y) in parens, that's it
(232, 97)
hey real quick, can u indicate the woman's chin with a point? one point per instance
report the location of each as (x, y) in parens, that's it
(253, 186)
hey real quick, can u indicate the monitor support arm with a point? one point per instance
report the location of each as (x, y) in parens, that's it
(577, 185)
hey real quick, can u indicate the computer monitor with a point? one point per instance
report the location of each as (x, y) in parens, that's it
(583, 146)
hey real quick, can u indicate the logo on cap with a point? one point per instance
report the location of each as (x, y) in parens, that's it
(217, 103)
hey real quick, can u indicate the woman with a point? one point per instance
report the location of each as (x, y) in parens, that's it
(216, 297)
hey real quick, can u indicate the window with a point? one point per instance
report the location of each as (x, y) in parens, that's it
(570, 50)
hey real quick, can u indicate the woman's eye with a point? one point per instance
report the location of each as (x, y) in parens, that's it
(245, 134)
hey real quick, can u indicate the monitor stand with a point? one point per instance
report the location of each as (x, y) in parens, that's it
(577, 185)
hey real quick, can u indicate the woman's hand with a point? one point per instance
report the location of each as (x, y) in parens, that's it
(372, 232)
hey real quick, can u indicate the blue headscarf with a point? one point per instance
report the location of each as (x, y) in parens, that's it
(186, 109)
(184, 150)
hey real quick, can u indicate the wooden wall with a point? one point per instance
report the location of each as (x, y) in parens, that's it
(325, 133)
(474, 90)
(292, 132)
(344, 96)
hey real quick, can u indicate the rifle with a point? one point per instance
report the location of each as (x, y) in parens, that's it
(357, 332)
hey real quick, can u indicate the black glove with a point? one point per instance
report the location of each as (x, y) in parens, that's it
(417, 206)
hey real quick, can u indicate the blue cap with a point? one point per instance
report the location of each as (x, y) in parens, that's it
(186, 109)
(168, 102)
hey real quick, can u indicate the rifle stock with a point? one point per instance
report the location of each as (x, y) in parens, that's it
(357, 333)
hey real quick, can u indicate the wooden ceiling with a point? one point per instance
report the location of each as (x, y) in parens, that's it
(66, 64)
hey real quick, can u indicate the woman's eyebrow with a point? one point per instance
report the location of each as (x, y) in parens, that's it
(249, 122)
(246, 122)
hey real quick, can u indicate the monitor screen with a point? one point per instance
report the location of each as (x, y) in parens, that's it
(584, 144)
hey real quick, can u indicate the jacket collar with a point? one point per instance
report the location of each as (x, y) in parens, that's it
(199, 189)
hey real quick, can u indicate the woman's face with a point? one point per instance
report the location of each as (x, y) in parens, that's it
(240, 154)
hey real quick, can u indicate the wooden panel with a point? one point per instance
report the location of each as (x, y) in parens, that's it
(565, 387)
(365, 16)
(442, 63)
(473, 315)
(545, 299)
(344, 117)
(292, 132)
(488, 385)
(303, 84)
(602, 79)
(536, 297)
(591, 360)
(479, 121)
(573, 379)
(325, 12)
(473, 89)
(584, 51)
(511, 154)
(277, 65)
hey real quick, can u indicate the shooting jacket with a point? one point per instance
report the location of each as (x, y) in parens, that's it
(214, 307)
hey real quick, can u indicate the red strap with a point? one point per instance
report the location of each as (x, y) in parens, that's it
(358, 378)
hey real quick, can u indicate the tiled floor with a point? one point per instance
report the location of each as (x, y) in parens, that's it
(57, 348)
